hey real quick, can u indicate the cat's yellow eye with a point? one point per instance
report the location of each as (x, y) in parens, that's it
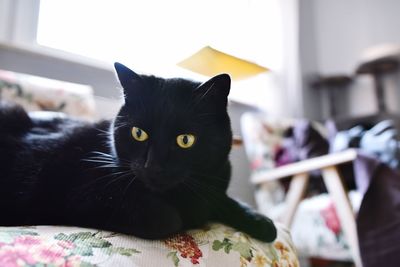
(139, 134)
(185, 140)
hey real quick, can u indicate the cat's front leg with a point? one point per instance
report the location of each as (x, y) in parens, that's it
(241, 217)
(153, 219)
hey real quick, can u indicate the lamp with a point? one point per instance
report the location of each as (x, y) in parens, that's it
(210, 62)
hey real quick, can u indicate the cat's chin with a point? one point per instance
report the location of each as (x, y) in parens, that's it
(159, 186)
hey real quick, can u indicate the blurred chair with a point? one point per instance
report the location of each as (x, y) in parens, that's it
(336, 231)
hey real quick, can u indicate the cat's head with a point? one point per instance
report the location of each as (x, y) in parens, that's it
(171, 130)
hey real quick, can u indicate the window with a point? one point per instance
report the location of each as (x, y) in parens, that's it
(154, 35)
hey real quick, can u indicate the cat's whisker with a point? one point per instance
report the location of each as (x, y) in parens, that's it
(124, 174)
(104, 157)
(120, 116)
(109, 156)
(99, 179)
(127, 188)
(117, 126)
(99, 153)
(120, 123)
(121, 205)
(102, 131)
(98, 160)
(106, 166)
(120, 165)
(103, 154)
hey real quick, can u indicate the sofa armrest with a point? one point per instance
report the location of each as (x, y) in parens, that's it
(41, 94)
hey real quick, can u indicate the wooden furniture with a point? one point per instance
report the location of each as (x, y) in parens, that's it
(300, 173)
(332, 84)
(379, 67)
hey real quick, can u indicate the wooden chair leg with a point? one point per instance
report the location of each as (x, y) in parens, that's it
(295, 194)
(346, 216)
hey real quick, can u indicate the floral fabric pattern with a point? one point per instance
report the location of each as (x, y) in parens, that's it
(316, 229)
(40, 94)
(262, 138)
(26, 247)
(215, 245)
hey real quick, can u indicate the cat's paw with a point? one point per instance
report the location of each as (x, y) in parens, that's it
(262, 228)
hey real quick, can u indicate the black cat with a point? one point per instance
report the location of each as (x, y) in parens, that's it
(159, 168)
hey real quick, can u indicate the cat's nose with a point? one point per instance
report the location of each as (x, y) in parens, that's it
(150, 159)
(155, 158)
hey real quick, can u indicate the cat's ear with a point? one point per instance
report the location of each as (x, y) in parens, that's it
(128, 78)
(214, 91)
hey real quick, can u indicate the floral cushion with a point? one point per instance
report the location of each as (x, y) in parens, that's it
(36, 93)
(215, 245)
(271, 143)
(262, 138)
(317, 230)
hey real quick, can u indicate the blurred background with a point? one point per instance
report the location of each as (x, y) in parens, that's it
(78, 41)
(318, 56)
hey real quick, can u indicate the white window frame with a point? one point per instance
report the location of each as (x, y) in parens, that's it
(18, 21)
(20, 52)
(18, 29)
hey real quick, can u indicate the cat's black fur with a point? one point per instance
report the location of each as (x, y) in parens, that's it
(58, 170)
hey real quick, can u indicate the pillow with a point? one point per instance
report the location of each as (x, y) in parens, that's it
(213, 245)
(36, 93)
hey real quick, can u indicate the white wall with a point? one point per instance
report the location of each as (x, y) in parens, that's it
(308, 58)
(240, 186)
(339, 33)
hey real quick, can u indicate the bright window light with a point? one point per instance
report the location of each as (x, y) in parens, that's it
(152, 36)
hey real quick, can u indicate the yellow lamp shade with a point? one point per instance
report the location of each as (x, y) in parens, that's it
(210, 62)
